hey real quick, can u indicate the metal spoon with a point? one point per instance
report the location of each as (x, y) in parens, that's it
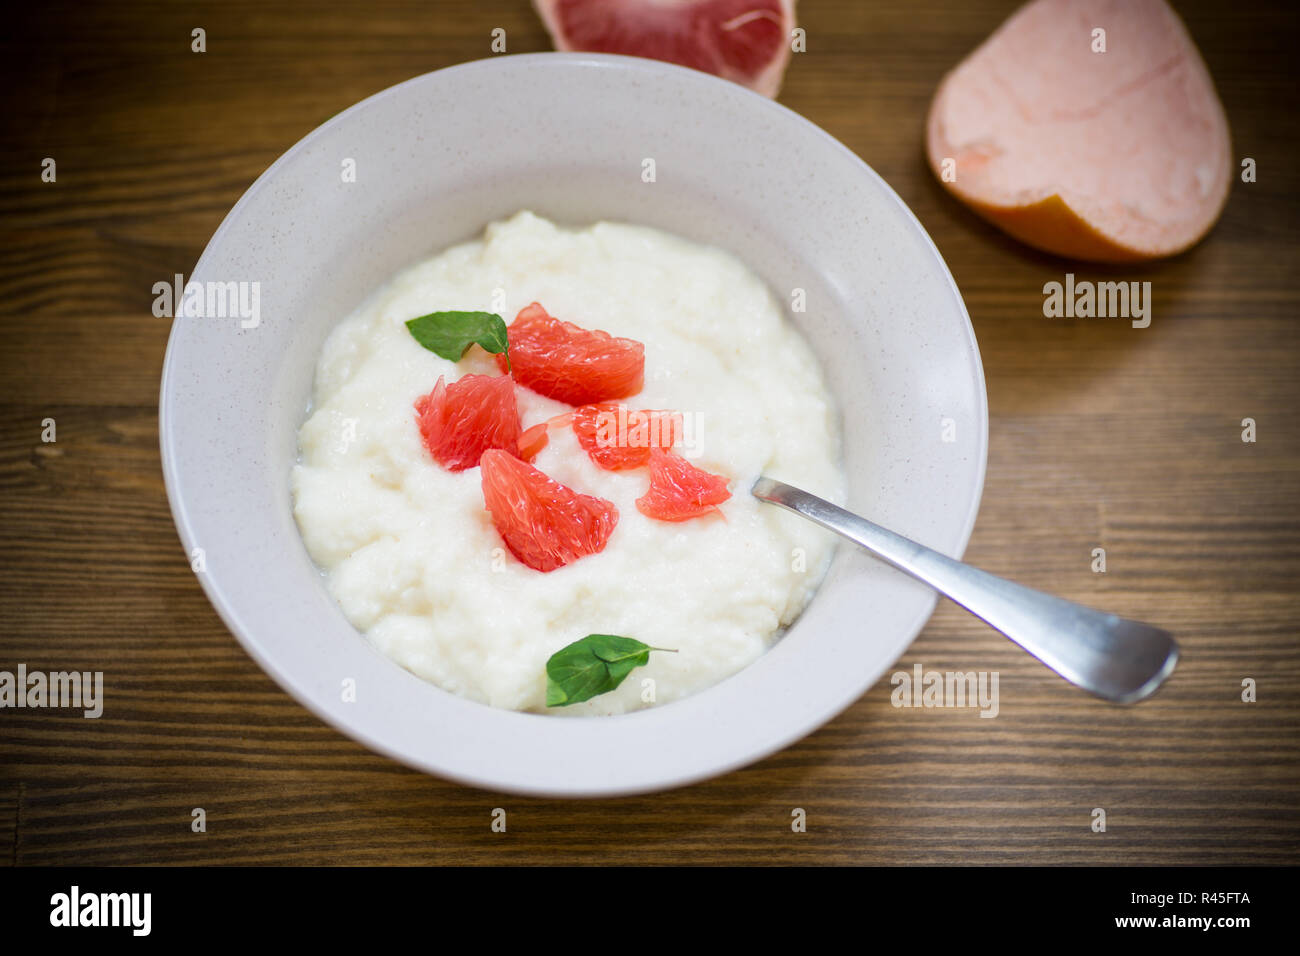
(1109, 656)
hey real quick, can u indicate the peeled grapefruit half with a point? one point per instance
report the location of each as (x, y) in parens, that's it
(747, 41)
(1088, 128)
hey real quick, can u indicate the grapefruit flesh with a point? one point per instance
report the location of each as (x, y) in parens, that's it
(533, 440)
(1114, 156)
(679, 490)
(617, 438)
(458, 422)
(747, 41)
(545, 524)
(571, 364)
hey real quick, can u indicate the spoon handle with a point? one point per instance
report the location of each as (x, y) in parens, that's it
(1114, 658)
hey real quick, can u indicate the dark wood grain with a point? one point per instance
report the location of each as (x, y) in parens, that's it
(1101, 436)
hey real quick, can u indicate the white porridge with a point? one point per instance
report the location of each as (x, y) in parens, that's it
(414, 559)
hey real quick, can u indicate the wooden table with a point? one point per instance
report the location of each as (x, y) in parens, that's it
(1102, 436)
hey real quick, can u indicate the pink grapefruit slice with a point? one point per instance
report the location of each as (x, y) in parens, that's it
(458, 422)
(545, 524)
(678, 490)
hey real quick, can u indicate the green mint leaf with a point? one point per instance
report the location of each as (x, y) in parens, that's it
(594, 665)
(450, 334)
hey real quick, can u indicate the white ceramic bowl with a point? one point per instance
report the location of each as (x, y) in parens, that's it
(565, 135)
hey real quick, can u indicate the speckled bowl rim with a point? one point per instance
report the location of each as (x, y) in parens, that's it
(776, 736)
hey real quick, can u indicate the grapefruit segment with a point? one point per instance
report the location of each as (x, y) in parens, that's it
(747, 41)
(1119, 155)
(458, 422)
(571, 364)
(617, 438)
(533, 440)
(679, 490)
(544, 524)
